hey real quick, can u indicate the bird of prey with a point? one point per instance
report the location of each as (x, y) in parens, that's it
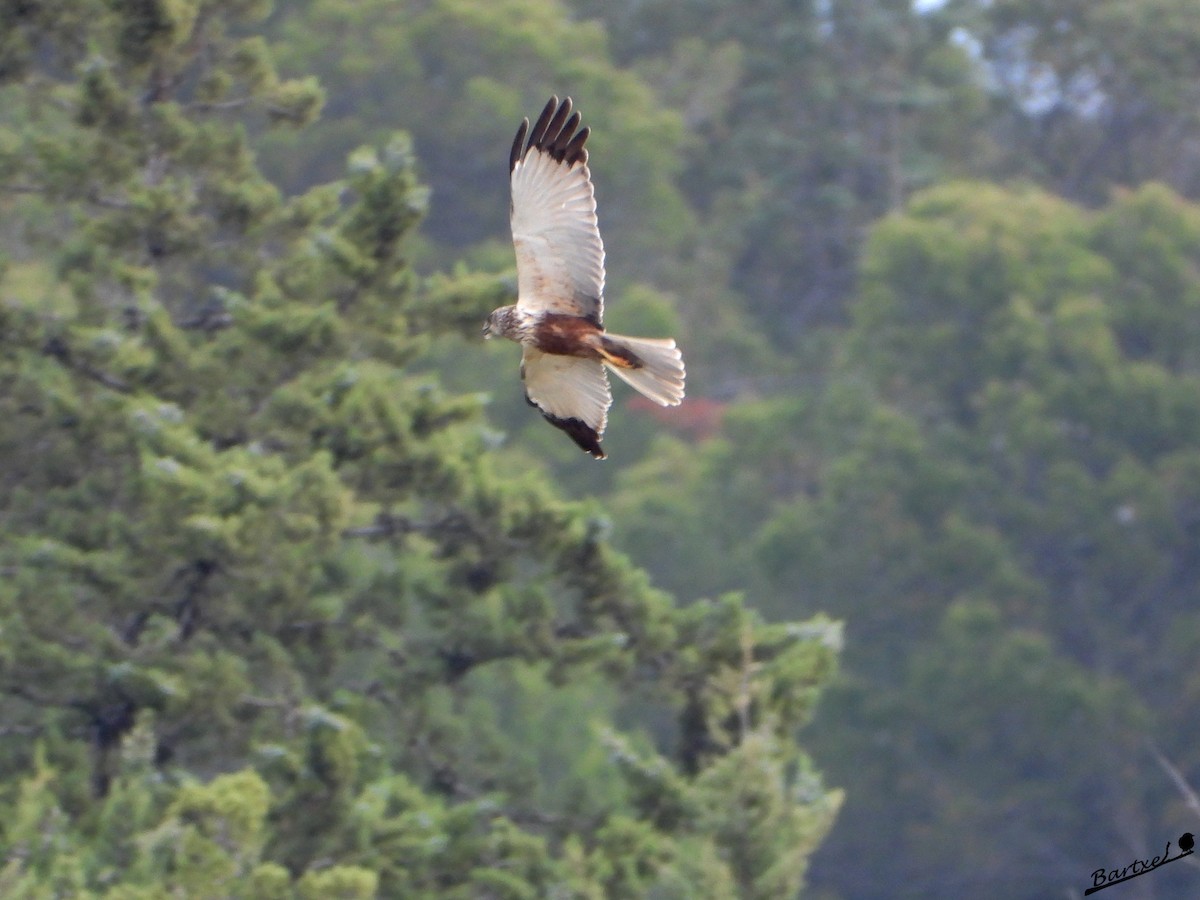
(557, 318)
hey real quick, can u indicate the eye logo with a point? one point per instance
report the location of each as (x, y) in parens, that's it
(1104, 878)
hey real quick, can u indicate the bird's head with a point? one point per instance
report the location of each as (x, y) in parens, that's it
(499, 322)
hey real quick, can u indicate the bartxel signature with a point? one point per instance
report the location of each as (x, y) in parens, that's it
(1104, 878)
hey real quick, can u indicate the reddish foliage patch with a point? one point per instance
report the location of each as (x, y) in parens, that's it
(697, 418)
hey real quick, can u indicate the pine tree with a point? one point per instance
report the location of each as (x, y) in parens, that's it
(274, 621)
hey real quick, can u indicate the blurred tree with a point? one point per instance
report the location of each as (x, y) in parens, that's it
(1001, 324)
(1091, 95)
(995, 488)
(275, 624)
(459, 75)
(813, 119)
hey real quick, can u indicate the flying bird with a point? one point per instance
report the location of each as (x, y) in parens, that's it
(558, 316)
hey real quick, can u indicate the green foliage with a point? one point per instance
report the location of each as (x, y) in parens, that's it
(812, 119)
(276, 623)
(459, 75)
(989, 489)
(1091, 96)
(284, 616)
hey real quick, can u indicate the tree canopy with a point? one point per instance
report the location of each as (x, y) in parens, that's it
(276, 622)
(299, 600)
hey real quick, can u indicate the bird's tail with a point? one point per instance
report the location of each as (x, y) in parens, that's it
(653, 366)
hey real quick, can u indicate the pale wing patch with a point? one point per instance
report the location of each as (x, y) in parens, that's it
(567, 387)
(560, 256)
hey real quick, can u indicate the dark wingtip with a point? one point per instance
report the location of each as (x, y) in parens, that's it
(554, 132)
(581, 433)
(516, 153)
(555, 129)
(574, 151)
(538, 132)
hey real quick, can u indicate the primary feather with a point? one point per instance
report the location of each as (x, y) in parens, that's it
(560, 256)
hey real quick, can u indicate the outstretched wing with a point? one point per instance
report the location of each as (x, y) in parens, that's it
(560, 257)
(571, 392)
